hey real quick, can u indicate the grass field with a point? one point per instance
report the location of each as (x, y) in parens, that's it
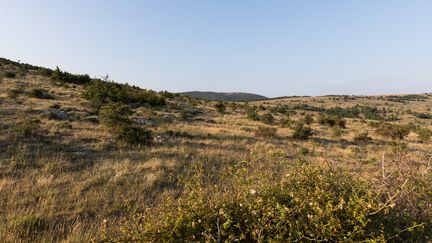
(329, 168)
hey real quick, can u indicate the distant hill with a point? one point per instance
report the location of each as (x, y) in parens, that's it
(224, 96)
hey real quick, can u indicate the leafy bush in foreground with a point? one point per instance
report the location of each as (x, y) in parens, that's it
(313, 204)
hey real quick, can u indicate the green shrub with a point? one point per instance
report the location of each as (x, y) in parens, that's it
(423, 133)
(423, 115)
(393, 131)
(220, 107)
(115, 115)
(41, 94)
(267, 118)
(116, 118)
(10, 74)
(252, 115)
(65, 77)
(134, 135)
(266, 132)
(100, 92)
(301, 131)
(312, 204)
(362, 138)
(331, 121)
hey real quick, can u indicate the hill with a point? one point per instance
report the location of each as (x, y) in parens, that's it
(85, 159)
(224, 96)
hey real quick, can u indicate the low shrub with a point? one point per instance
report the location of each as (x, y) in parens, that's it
(393, 131)
(266, 132)
(115, 117)
(252, 115)
(331, 121)
(424, 134)
(41, 94)
(64, 77)
(220, 107)
(267, 118)
(134, 135)
(312, 204)
(10, 74)
(301, 131)
(362, 138)
(100, 92)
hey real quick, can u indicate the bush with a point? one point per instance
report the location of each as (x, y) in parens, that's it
(301, 132)
(252, 115)
(393, 131)
(423, 115)
(116, 117)
(362, 138)
(40, 93)
(100, 92)
(331, 121)
(65, 77)
(312, 204)
(9, 74)
(267, 118)
(423, 134)
(220, 107)
(134, 135)
(266, 132)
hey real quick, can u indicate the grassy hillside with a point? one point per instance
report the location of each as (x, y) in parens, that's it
(84, 159)
(224, 96)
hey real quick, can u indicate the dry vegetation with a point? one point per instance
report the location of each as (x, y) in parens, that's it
(129, 164)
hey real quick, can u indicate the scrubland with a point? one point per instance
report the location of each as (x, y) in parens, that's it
(91, 160)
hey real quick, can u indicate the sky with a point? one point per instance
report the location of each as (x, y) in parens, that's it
(268, 47)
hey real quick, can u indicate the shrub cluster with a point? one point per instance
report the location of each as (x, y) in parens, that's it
(393, 131)
(312, 204)
(267, 118)
(362, 138)
(64, 77)
(10, 74)
(266, 132)
(331, 121)
(301, 131)
(101, 92)
(115, 116)
(220, 107)
(252, 115)
(41, 94)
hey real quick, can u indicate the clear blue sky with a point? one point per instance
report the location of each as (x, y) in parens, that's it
(274, 48)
